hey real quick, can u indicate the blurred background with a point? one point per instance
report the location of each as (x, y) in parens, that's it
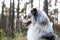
(15, 19)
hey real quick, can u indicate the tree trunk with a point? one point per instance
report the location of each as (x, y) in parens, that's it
(11, 17)
(46, 6)
(17, 21)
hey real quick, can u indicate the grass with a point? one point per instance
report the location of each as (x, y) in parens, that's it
(23, 38)
(18, 36)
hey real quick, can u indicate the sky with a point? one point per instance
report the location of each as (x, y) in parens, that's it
(36, 4)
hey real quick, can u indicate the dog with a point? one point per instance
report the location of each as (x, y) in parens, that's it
(40, 28)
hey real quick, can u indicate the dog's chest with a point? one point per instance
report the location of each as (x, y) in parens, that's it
(33, 32)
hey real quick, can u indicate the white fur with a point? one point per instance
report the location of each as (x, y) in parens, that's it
(36, 31)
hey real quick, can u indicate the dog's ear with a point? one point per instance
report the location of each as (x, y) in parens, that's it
(34, 11)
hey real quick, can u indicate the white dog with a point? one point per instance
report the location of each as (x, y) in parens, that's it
(40, 28)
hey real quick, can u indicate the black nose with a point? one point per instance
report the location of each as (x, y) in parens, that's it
(34, 11)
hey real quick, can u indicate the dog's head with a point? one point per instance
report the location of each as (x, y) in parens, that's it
(34, 14)
(39, 16)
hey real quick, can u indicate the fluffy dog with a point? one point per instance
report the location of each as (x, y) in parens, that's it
(40, 28)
